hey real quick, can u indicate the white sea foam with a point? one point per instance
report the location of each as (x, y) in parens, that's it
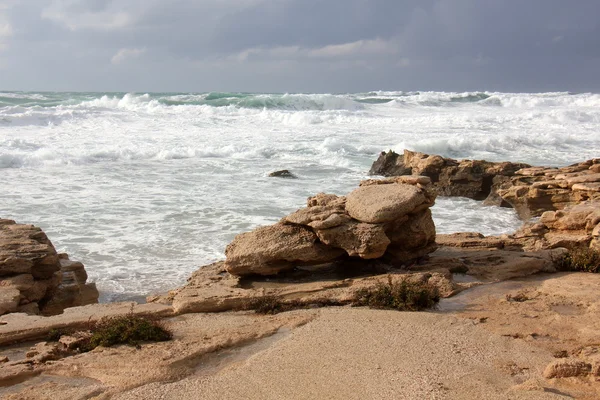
(144, 188)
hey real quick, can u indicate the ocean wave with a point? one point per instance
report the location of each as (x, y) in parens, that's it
(15, 105)
(330, 151)
(551, 149)
(543, 100)
(291, 102)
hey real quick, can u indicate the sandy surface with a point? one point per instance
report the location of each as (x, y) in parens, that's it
(480, 344)
(355, 353)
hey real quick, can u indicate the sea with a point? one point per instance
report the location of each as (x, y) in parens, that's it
(145, 188)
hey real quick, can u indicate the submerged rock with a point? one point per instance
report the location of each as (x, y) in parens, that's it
(34, 278)
(284, 173)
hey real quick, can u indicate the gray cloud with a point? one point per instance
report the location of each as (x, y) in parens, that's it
(299, 45)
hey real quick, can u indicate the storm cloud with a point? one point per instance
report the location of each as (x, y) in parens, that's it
(299, 45)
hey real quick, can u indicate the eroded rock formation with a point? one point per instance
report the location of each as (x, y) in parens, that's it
(532, 191)
(573, 227)
(388, 217)
(466, 178)
(529, 190)
(34, 278)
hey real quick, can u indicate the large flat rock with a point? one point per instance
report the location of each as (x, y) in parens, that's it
(377, 204)
(276, 248)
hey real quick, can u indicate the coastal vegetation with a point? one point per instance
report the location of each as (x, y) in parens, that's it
(128, 329)
(403, 295)
(271, 305)
(583, 259)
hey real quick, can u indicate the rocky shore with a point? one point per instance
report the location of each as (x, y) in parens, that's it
(508, 325)
(34, 278)
(529, 190)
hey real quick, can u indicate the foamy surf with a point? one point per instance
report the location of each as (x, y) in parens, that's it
(145, 188)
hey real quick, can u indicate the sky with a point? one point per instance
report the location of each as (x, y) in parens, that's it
(300, 45)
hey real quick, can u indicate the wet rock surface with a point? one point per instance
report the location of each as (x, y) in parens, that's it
(284, 173)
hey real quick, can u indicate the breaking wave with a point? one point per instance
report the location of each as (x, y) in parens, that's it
(143, 188)
(293, 102)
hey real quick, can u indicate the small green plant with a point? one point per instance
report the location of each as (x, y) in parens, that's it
(54, 335)
(519, 297)
(459, 269)
(269, 304)
(560, 354)
(404, 295)
(582, 259)
(127, 329)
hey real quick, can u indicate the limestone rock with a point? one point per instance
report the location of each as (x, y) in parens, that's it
(30, 266)
(316, 214)
(76, 267)
(25, 249)
(9, 299)
(572, 227)
(29, 309)
(272, 249)
(358, 239)
(387, 217)
(529, 190)
(16, 327)
(416, 231)
(466, 178)
(551, 189)
(408, 179)
(43, 352)
(326, 199)
(473, 240)
(567, 367)
(377, 204)
(70, 293)
(75, 340)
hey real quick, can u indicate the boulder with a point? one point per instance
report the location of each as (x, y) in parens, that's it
(284, 173)
(35, 276)
(276, 248)
(9, 299)
(388, 218)
(357, 239)
(25, 249)
(377, 204)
